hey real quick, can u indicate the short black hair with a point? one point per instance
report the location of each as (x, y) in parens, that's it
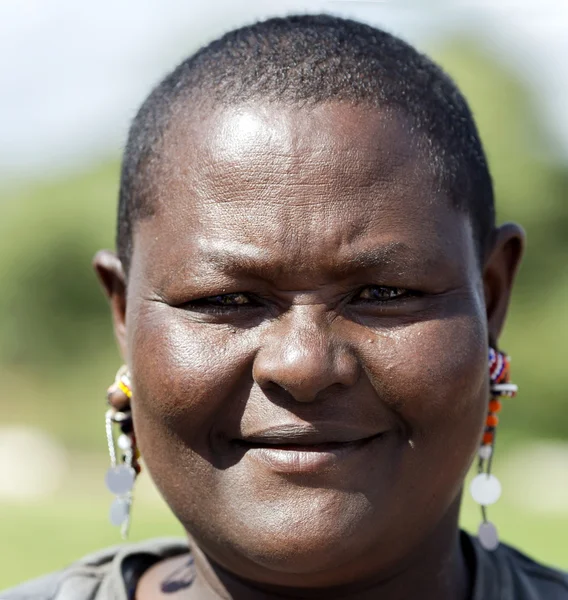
(310, 59)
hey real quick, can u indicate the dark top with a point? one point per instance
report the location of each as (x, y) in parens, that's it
(112, 574)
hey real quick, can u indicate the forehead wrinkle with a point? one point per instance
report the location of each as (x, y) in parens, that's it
(255, 150)
(324, 180)
(313, 185)
(234, 259)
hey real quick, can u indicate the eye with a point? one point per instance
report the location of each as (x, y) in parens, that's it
(223, 304)
(223, 301)
(381, 293)
(238, 299)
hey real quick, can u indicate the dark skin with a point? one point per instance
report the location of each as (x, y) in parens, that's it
(304, 290)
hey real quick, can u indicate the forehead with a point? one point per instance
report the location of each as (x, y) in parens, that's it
(294, 181)
(356, 145)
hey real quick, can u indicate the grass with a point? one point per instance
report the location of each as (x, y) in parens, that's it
(39, 538)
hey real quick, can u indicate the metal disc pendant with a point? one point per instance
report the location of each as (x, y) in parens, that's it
(485, 489)
(488, 536)
(120, 480)
(119, 511)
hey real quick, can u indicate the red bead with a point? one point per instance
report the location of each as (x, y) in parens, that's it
(494, 406)
(492, 421)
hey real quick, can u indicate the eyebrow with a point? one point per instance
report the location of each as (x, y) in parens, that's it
(230, 256)
(384, 254)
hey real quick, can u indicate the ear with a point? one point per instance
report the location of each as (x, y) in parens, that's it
(499, 272)
(111, 275)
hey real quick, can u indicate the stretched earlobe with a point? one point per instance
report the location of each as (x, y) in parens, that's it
(499, 273)
(113, 280)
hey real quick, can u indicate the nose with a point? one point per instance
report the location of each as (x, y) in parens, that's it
(300, 355)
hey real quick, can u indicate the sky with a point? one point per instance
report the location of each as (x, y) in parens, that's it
(73, 73)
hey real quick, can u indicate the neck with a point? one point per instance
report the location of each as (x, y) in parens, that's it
(436, 570)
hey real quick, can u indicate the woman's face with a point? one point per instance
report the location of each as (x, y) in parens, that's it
(306, 326)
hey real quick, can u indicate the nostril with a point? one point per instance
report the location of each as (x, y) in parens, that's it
(302, 376)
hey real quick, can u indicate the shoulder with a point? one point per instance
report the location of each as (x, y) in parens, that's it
(98, 576)
(543, 581)
(515, 576)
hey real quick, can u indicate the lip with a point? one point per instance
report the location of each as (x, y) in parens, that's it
(307, 434)
(292, 449)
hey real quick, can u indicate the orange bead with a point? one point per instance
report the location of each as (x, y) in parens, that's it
(492, 421)
(494, 406)
(487, 438)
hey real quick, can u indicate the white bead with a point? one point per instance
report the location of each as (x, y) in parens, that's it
(485, 452)
(507, 388)
(124, 442)
(119, 511)
(485, 489)
(488, 536)
(120, 480)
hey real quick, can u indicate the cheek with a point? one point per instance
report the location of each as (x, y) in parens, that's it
(433, 375)
(183, 374)
(445, 375)
(437, 375)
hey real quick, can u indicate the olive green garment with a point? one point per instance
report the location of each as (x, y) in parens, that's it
(505, 574)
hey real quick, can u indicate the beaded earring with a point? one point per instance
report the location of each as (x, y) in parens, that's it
(485, 487)
(122, 473)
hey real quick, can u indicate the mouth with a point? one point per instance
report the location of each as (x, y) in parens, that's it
(305, 451)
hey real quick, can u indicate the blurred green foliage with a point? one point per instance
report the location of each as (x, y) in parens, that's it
(51, 311)
(531, 188)
(57, 352)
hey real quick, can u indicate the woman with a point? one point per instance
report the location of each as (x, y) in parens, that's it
(308, 285)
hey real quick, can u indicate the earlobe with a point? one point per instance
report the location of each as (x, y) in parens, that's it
(499, 274)
(113, 280)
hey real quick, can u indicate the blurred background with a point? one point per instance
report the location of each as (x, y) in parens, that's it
(73, 74)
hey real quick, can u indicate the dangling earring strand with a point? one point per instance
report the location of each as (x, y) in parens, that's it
(485, 487)
(121, 475)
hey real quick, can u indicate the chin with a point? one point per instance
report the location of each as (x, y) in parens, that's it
(306, 536)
